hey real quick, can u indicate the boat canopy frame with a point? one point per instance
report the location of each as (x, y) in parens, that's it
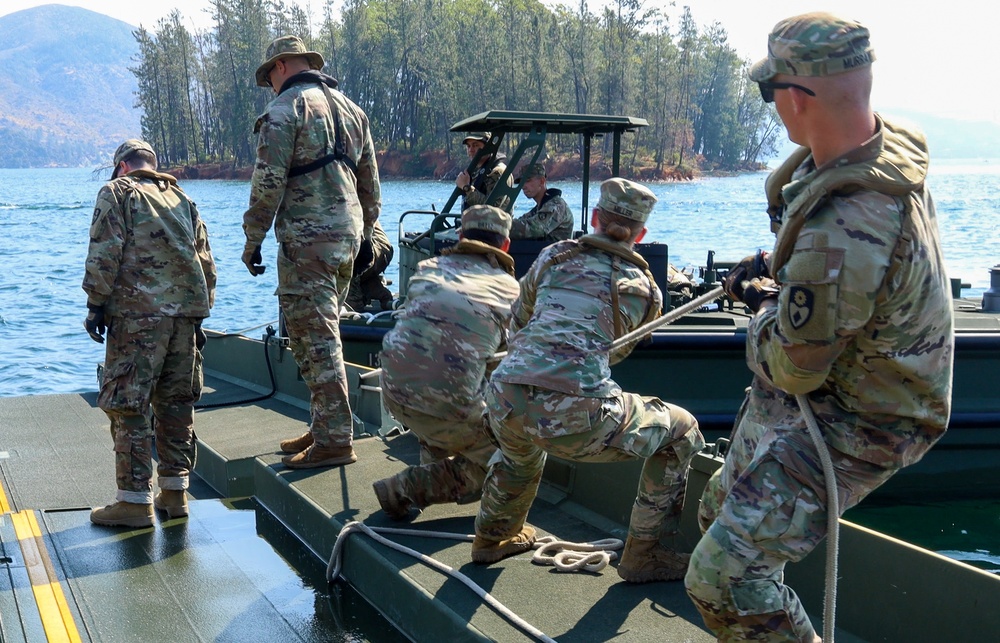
(537, 126)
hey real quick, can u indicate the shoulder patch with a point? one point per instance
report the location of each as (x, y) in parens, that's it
(800, 306)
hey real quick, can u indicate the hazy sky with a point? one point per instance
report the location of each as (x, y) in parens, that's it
(928, 60)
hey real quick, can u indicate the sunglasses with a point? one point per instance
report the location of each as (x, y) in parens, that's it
(767, 89)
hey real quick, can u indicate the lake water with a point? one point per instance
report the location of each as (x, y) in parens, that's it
(45, 216)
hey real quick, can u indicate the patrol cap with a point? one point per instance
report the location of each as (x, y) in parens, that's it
(126, 149)
(488, 218)
(814, 44)
(286, 47)
(530, 171)
(477, 136)
(627, 199)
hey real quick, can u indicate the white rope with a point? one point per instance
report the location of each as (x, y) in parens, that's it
(671, 316)
(572, 557)
(639, 332)
(333, 568)
(832, 520)
(663, 320)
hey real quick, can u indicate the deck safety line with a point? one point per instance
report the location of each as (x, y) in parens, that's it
(57, 620)
(4, 505)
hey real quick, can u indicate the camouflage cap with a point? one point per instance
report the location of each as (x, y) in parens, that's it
(488, 218)
(627, 198)
(477, 136)
(814, 44)
(285, 47)
(530, 171)
(126, 149)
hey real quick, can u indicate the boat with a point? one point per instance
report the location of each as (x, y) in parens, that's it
(699, 360)
(193, 579)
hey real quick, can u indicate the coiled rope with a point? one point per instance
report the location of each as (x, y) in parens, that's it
(573, 557)
(565, 556)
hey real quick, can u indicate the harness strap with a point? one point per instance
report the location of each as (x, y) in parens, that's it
(339, 149)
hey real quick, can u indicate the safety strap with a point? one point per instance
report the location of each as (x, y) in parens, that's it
(339, 149)
(612, 286)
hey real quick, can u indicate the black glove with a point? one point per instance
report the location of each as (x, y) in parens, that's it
(757, 290)
(94, 323)
(751, 267)
(365, 258)
(199, 336)
(252, 259)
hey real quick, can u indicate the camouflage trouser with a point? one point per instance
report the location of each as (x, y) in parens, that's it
(529, 422)
(151, 361)
(461, 450)
(766, 506)
(312, 279)
(367, 282)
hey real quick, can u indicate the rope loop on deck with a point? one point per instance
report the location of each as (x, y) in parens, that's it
(333, 569)
(568, 556)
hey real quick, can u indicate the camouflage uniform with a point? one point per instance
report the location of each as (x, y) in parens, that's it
(435, 366)
(485, 177)
(865, 309)
(150, 266)
(553, 392)
(551, 220)
(316, 179)
(367, 280)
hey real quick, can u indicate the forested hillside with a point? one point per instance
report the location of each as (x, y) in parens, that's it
(66, 93)
(418, 66)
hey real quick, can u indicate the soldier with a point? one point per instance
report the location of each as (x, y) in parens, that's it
(150, 281)
(491, 167)
(550, 220)
(853, 314)
(553, 392)
(367, 280)
(435, 363)
(317, 180)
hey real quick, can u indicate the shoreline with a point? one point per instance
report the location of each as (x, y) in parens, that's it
(395, 165)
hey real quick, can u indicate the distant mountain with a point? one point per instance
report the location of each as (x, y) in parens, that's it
(66, 94)
(950, 139)
(946, 138)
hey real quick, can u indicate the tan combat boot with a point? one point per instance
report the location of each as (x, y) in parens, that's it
(490, 551)
(644, 561)
(317, 456)
(296, 445)
(172, 501)
(391, 498)
(123, 514)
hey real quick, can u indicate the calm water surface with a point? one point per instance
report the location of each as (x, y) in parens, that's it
(45, 216)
